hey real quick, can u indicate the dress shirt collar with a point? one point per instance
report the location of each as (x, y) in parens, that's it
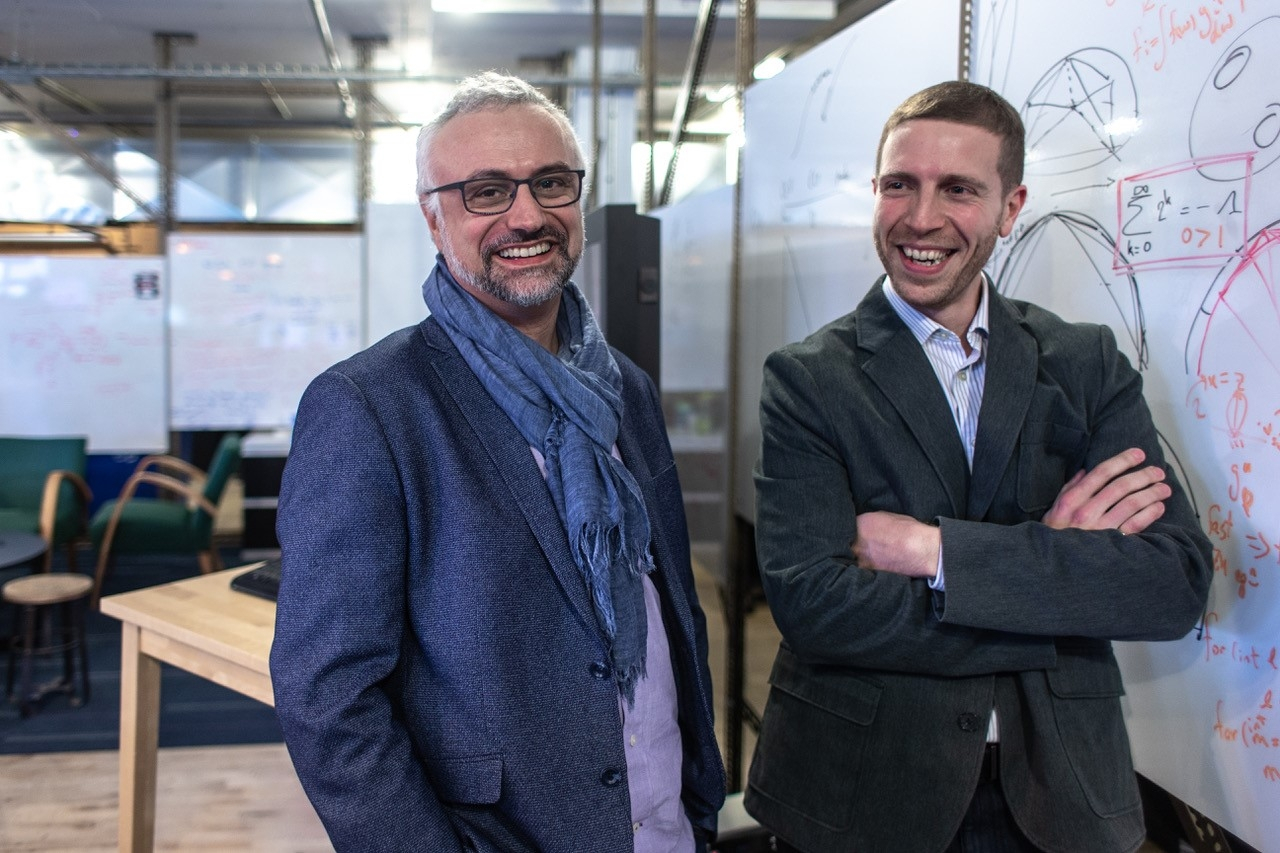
(923, 328)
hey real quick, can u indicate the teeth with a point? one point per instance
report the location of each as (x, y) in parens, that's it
(527, 252)
(921, 256)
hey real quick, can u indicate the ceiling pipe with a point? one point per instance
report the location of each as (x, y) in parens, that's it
(335, 61)
(703, 32)
(29, 73)
(84, 154)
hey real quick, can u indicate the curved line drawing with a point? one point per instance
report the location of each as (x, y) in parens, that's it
(1083, 110)
(997, 24)
(1237, 105)
(1254, 278)
(823, 77)
(827, 77)
(1091, 237)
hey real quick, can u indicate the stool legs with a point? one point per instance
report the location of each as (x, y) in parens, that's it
(28, 643)
(35, 634)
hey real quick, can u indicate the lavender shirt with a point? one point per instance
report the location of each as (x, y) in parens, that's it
(651, 734)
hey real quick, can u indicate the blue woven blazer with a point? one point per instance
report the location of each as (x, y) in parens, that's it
(437, 669)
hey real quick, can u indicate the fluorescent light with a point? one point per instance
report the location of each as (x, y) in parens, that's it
(768, 67)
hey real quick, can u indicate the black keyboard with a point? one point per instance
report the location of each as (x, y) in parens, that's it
(262, 581)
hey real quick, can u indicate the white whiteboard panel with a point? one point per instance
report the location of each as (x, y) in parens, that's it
(82, 350)
(811, 137)
(253, 319)
(400, 254)
(697, 249)
(1154, 202)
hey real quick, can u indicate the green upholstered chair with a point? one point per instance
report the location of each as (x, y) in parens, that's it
(43, 490)
(179, 521)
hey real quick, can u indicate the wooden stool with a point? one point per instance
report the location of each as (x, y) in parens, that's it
(37, 600)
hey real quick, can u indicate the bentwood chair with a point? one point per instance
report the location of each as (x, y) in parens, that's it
(43, 490)
(179, 521)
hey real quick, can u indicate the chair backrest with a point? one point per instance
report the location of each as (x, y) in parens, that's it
(225, 462)
(24, 465)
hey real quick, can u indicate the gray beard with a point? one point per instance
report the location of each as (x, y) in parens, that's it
(549, 284)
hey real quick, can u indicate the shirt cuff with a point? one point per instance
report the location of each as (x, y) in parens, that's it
(937, 582)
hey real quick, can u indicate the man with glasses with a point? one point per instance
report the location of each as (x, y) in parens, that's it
(488, 637)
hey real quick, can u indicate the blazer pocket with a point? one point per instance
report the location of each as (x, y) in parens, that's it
(1048, 454)
(1085, 690)
(814, 730)
(473, 780)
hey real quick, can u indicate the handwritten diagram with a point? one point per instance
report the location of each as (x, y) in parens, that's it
(1037, 247)
(1080, 113)
(1239, 103)
(1153, 133)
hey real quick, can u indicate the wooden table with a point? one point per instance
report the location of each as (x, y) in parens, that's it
(202, 626)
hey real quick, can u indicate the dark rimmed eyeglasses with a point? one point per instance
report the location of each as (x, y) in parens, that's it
(491, 196)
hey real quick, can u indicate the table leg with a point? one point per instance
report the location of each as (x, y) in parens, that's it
(139, 737)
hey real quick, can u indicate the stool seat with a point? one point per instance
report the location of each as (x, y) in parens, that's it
(51, 588)
(39, 600)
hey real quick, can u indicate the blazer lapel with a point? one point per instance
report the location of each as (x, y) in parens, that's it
(900, 369)
(1011, 379)
(516, 468)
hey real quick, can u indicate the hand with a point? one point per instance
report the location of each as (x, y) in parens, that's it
(889, 542)
(1108, 498)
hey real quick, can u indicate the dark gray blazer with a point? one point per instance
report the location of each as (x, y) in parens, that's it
(875, 726)
(437, 668)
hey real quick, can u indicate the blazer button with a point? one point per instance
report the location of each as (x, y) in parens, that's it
(599, 670)
(968, 722)
(611, 777)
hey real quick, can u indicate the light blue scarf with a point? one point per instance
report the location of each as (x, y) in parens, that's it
(570, 409)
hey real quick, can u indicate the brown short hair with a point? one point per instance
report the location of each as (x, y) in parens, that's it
(971, 104)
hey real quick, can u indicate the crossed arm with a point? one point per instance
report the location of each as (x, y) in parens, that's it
(1114, 495)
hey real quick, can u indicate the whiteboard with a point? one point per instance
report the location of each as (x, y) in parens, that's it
(697, 257)
(82, 350)
(399, 255)
(1154, 203)
(808, 161)
(253, 319)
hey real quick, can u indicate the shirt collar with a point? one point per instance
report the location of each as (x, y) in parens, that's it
(923, 327)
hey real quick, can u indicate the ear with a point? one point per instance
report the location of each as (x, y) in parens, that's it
(1012, 207)
(433, 220)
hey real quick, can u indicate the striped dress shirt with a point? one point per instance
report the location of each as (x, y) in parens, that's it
(962, 378)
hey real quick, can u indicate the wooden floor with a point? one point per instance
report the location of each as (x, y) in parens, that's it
(246, 798)
(240, 798)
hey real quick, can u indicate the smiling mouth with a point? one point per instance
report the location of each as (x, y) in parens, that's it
(926, 257)
(525, 251)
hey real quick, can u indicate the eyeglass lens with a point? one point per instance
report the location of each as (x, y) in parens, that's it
(494, 195)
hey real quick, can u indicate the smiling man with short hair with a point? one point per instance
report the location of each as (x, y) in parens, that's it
(488, 637)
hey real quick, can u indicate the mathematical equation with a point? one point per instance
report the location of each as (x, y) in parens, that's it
(1170, 217)
(1164, 27)
(1255, 732)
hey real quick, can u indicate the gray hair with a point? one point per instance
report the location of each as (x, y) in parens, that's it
(489, 90)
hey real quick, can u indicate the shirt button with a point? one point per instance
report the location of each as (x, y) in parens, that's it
(968, 722)
(633, 740)
(598, 670)
(635, 827)
(611, 777)
(962, 375)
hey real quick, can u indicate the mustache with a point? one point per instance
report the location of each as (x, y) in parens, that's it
(546, 232)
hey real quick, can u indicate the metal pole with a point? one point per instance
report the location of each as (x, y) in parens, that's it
(739, 547)
(167, 129)
(593, 198)
(650, 41)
